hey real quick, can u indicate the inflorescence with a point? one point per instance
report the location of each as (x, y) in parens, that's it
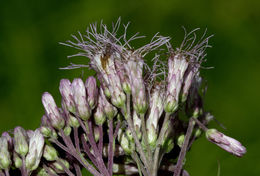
(130, 118)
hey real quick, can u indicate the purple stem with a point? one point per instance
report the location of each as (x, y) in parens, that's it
(100, 143)
(117, 129)
(87, 151)
(73, 151)
(48, 170)
(76, 138)
(179, 164)
(7, 172)
(97, 153)
(65, 168)
(110, 153)
(23, 169)
(77, 169)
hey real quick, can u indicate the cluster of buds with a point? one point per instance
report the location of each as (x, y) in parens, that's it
(131, 118)
(21, 153)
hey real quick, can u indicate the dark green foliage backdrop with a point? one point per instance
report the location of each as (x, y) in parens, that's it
(30, 57)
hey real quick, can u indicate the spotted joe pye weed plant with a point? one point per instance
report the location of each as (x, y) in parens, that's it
(129, 118)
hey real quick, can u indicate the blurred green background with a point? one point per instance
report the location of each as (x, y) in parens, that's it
(30, 57)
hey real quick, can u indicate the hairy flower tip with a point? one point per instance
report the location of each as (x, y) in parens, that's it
(20, 141)
(108, 108)
(134, 68)
(227, 143)
(156, 42)
(155, 111)
(67, 95)
(92, 91)
(177, 65)
(107, 70)
(194, 50)
(36, 144)
(5, 158)
(52, 111)
(80, 99)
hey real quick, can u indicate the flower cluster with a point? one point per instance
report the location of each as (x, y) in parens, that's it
(130, 119)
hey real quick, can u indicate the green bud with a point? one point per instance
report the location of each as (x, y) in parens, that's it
(59, 167)
(46, 131)
(73, 121)
(20, 141)
(17, 160)
(125, 144)
(5, 160)
(171, 106)
(50, 153)
(180, 140)
(168, 145)
(96, 134)
(67, 130)
(42, 172)
(197, 133)
(152, 136)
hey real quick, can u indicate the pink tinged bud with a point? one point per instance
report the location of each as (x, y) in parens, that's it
(36, 144)
(67, 95)
(134, 69)
(92, 91)
(20, 141)
(52, 111)
(5, 158)
(80, 99)
(177, 66)
(9, 140)
(106, 68)
(227, 143)
(99, 115)
(108, 108)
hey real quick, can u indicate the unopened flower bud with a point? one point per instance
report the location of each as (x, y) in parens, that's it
(125, 144)
(17, 160)
(45, 131)
(227, 143)
(96, 133)
(137, 125)
(67, 130)
(5, 160)
(67, 95)
(134, 69)
(50, 153)
(9, 140)
(59, 166)
(52, 111)
(92, 91)
(177, 65)
(155, 112)
(20, 141)
(73, 121)
(42, 172)
(197, 133)
(180, 140)
(80, 99)
(36, 144)
(168, 145)
(99, 115)
(108, 108)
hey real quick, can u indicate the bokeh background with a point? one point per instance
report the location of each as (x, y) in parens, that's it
(30, 57)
